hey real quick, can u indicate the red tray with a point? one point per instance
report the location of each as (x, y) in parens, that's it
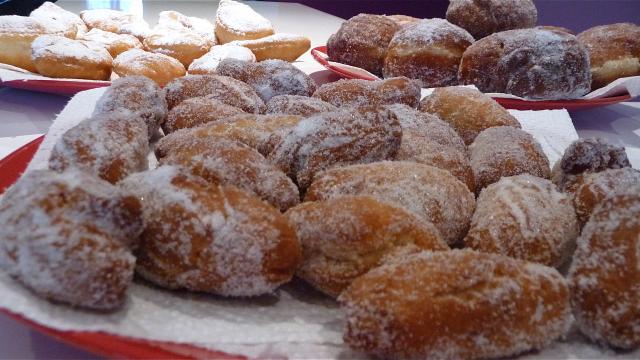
(320, 52)
(108, 345)
(55, 86)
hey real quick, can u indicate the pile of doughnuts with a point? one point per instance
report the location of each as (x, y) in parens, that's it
(492, 44)
(59, 44)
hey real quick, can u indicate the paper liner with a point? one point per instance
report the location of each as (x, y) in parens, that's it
(295, 322)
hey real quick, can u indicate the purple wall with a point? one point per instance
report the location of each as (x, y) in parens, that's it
(576, 15)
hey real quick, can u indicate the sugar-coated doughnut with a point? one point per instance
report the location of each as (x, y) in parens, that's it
(208, 63)
(614, 52)
(228, 162)
(483, 18)
(281, 46)
(598, 186)
(226, 89)
(362, 41)
(139, 95)
(345, 237)
(428, 51)
(157, 67)
(457, 304)
(530, 63)
(198, 111)
(49, 11)
(524, 217)
(16, 35)
(60, 57)
(109, 146)
(183, 45)
(269, 78)
(298, 105)
(338, 138)
(585, 156)
(249, 129)
(400, 90)
(238, 21)
(428, 140)
(139, 28)
(468, 110)
(605, 273)
(506, 151)
(106, 19)
(434, 195)
(68, 238)
(176, 20)
(210, 238)
(114, 43)
(403, 20)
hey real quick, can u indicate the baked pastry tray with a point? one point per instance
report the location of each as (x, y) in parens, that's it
(620, 90)
(294, 322)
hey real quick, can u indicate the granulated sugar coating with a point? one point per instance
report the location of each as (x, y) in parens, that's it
(596, 187)
(298, 105)
(356, 93)
(210, 238)
(227, 162)
(432, 194)
(223, 88)
(457, 304)
(67, 237)
(335, 139)
(269, 78)
(139, 95)
(198, 111)
(110, 146)
(605, 272)
(524, 217)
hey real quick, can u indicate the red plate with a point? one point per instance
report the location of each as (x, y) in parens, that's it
(55, 86)
(319, 54)
(113, 346)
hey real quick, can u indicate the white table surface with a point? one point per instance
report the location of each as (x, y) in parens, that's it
(25, 115)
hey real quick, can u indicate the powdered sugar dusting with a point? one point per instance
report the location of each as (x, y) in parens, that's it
(61, 48)
(241, 18)
(208, 63)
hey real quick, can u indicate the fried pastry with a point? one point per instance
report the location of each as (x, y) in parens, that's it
(238, 21)
(183, 45)
(434, 195)
(106, 19)
(208, 63)
(280, 46)
(60, 57)
(176, 20)
(400, 90)
(483, 18)
(298, 105)
(157, 67)
(210, 238)
(48, 11)
(114, 43)
(198, 111)
(345, 237)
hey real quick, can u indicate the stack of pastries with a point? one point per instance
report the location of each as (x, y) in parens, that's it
(492, 44)
(57, 43)
(441, 233)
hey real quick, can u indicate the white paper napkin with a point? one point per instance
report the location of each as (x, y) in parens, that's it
(296, 322)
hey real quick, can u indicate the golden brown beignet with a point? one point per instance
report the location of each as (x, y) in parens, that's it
(238, 21)
(158, 67)
(432, 194)
(345, 237)
(210, 238)
(68, 237)
(605, 272)
(60, 57)
(457, 304)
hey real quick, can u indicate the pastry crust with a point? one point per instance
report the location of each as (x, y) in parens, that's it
(598, 186)
(485, 17)
(269, 78)
(428, 51)
(157, 67)
(198, 111)
(467, 110)
(60, 57)
(345, 237)
(298, 105)
(524, 217)
(432, 194)
(506, 151)
(223, 88)
(362, 41)
(176, 20)
(238, 21)
(530, 63)
(183, 45)
(605, 276)
(457, 304)
(50, 12)
(345, 93)
(77, 249)
(107, 19)
(208, 63)
(614, 52)
(210, 238)
(281, 46)
(16, 35)
(114, 43)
